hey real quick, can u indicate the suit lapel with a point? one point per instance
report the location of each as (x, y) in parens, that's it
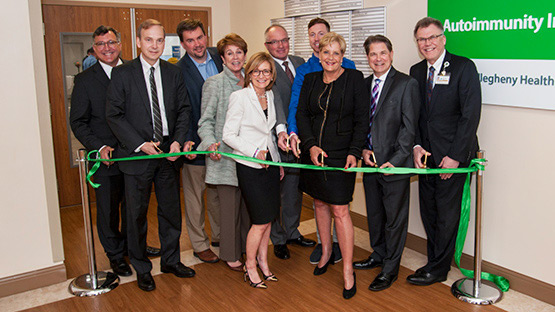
(166, 85)
(437, 88)
(385, 89)
(139, 77)
(100, 74)
(193, 70)
(217, 60)
(254, 102)
(281, 75)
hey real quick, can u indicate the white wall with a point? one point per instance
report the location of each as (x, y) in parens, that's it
(30, 221)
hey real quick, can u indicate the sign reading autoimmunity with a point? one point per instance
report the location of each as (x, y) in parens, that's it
(512, 43)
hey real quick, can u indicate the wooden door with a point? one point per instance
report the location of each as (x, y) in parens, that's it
(60, 19)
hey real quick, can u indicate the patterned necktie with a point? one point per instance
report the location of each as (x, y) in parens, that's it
(430, 86)
(288, 71)
(373, 105)
(156, 116)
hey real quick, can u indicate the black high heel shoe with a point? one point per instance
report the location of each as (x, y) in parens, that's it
(272, 277)
(246, 276)
(322, 270)
(349, 293)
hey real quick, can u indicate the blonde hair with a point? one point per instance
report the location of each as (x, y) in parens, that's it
(333, 37)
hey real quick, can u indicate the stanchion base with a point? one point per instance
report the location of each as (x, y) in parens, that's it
(489, 293)
(81, 286)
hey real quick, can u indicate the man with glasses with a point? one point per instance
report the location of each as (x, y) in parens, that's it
(88, 122)
(446, 136)
(285, 228)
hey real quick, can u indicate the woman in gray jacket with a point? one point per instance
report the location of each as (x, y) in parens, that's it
(221, 172)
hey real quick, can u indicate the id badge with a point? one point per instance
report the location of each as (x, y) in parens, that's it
(443, 79)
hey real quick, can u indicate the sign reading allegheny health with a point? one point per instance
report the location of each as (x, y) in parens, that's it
(512, 43)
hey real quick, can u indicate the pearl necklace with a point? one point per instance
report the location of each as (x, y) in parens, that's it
(263, 96)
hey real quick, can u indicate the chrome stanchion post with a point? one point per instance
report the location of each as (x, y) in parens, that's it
(475, 290)
(94, 283)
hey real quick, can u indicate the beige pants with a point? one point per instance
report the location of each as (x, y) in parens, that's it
(193, 191)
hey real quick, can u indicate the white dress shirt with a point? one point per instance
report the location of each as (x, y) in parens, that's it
(289, 64)
(108, 69)
(437, 66)
(159, 90)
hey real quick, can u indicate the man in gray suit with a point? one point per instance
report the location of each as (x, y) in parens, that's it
(284, 230)
(394, 108)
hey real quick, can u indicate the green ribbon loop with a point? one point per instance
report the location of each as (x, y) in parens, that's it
(474, 166)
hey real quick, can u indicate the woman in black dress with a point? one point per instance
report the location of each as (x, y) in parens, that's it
(333, 121)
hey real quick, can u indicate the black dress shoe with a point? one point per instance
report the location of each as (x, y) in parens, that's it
(367, 264)
(301, 241)
(152, 252)
(120, 267)
(178, 269)
(281, 251)
(349, 293)
(322, 270)
(422, 278)
(382, 281)
(146, 282)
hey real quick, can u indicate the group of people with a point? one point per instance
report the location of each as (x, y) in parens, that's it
(276, 107)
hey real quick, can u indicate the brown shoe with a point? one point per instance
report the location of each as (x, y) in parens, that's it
(207, 256)
(238, 268)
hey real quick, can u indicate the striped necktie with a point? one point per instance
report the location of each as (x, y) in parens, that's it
(156, 116)
(373, 105)
(430, 86)
(288, 71)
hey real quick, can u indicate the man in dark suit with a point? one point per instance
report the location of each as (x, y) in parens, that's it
(148, 112)
(446, 133)
(394, 108)
(197, 65)
(284, 229)
(88, 122)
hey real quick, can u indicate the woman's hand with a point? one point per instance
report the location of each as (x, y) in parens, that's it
(317, 156)
(262, 156)
(213, 148)
(351, 162)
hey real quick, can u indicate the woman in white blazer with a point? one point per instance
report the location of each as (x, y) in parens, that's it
(249, 129)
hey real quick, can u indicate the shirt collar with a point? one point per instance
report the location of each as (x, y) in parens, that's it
(437, 65)
(147, 66)
(208, 59)
(107, 68)
(280, 62)
(384, 76)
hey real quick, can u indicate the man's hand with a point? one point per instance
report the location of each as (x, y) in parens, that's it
(351, 162)
(151, 148)
(419, 152)
(105, 153)
(294, 144)
(174, 148)
(317, 156)
(187, 148)
(282, 141)
(447, 162)
(262, 156)
(367, 157)
(281, 173)
(213, 148)
(387, 165)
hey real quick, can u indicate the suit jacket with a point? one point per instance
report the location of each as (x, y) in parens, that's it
(394, 124)
(129, 115)
(88, 113)
(194, 82)
(246, 127)
(282, 86)
(448, 125)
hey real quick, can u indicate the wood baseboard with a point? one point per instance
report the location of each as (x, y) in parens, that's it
(519, 282)
(31, 280)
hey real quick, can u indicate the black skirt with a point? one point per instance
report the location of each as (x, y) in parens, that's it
(332, 187)
(260, 190)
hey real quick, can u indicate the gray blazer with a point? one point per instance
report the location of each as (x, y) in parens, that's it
(282, 86)
(215, 99)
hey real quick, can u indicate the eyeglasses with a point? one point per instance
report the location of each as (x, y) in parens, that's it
(265, 72)
(431, 39)
(110, 44)
(275, 42)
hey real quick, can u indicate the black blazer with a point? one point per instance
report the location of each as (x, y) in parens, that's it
(194, 82)
(394, 124)
(87, 116)
(448, 126)
(345, 125)
(128, 109)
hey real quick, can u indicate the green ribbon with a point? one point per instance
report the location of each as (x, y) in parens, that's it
(500, 281)
(474, 166)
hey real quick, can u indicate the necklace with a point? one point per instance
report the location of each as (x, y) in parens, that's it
(263, 96)
(336, 75)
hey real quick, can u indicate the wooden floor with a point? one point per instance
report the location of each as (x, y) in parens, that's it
(216, 288)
